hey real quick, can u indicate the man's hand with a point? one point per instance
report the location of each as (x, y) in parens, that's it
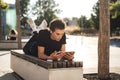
(55, 55)
(69, 55)
(58, 55)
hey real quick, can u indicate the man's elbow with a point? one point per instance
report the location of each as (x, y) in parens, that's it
(41, 56)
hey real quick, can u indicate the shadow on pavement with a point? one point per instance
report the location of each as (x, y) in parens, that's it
(94, 76)
(115, 42)
(11, 76)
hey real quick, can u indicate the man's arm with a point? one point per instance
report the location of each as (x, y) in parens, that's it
(41, 54)
(63, 48)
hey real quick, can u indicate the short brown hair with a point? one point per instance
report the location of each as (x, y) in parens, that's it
(57, 24)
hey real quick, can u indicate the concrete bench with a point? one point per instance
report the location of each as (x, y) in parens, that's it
(31, 68)
(10, 44)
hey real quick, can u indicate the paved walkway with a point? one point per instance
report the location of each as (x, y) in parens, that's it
(85, 50)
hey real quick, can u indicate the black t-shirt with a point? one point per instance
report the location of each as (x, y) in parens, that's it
(50, 45)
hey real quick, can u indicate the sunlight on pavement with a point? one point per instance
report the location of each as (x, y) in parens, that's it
(86, 50)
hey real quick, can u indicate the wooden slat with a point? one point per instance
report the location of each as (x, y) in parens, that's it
(73, 64)
(68, 63)
(54, 64)
(64, 65)
(59, 65)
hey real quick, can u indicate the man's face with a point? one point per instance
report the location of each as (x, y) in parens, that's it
(57, 34)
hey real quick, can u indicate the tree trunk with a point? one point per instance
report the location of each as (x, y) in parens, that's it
(18, 23)
(104, 41)
(0, 26)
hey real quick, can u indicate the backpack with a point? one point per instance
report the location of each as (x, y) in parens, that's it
(31, 47)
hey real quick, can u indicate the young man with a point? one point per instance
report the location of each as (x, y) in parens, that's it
(52, 41)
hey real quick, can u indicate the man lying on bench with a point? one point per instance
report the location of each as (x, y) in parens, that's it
(48, 43)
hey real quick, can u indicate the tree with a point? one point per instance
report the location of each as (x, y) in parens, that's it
(45, 9)
(104, 41)
(115, 9)
(18, 23)
(115, 16)
(83, 22)
(113, 0)
(94, 20)
(24, 10)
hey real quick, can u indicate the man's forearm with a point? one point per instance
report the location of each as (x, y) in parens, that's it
(45, 57)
